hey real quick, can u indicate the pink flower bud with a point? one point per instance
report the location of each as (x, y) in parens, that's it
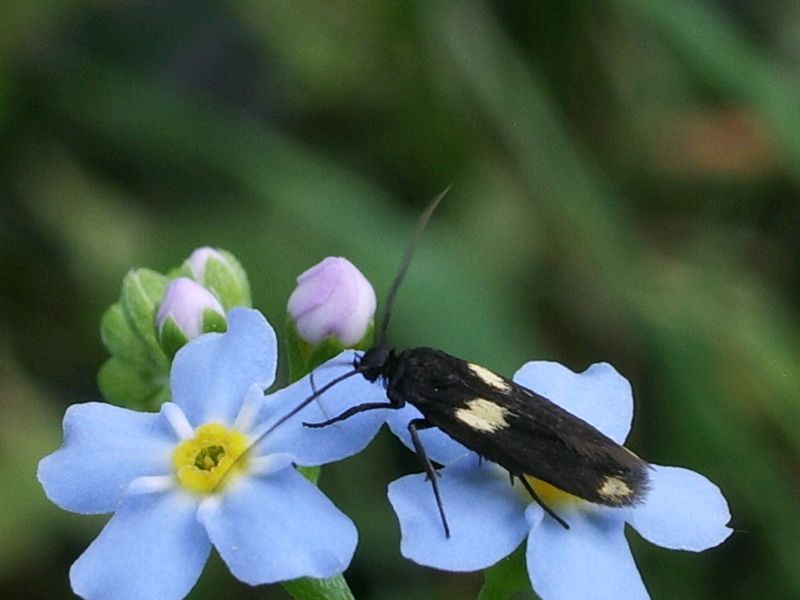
(187, 303)
(332, 298)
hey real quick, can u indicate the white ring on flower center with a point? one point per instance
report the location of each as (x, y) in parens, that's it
(151, 484)
(177, 419)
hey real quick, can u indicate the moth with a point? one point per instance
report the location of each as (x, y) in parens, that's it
(502, 421)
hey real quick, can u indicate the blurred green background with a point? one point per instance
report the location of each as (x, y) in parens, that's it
(625, 188)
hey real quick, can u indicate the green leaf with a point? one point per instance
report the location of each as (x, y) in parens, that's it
(332, 588)
(123, 385)
(506, 578)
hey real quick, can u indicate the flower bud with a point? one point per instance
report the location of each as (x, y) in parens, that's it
(187, 311)
(332, 298)
(220, 272)
(199, 258)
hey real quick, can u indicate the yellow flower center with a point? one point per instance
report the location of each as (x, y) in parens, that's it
(550, 494)
(202, 462)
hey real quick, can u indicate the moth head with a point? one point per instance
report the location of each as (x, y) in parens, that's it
(373, 364)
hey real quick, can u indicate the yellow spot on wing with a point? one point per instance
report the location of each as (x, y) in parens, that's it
(489, 378)
(483, 415)
(615, 489)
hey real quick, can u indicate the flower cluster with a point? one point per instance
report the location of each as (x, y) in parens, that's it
(156, 315)
(215, 466)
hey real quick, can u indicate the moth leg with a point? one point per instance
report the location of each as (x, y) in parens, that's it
(413, 428)
(353, 410)
(541, 503)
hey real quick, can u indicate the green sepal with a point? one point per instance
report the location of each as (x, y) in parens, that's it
(228, 280)
(303, 357)
(225, 278)
(324, 351)
(142, 292)
(123, 343)
(171, 337)
(506, 578)
(122, 384)
(214, 322)
(332, 588)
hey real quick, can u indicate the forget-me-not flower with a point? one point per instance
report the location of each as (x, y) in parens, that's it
(489, 517)
(186, 478)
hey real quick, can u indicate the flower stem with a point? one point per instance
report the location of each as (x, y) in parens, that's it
(506, 578)
(332, 588)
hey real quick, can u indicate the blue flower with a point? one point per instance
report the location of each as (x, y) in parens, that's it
(186, 478)
(489, 517)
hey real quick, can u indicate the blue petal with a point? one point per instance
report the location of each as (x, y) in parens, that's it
(211, 374)
(314, 446)
(683, 511)
(486, 516)
(590, 560)
(153, 547)
(278, 527)
(600, 395)
(438, 445)
(105, 448)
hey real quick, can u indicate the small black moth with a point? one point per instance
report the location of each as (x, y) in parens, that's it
(502, 421)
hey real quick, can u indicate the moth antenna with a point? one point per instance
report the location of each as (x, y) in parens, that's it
(303, 404)
(405, 262)
(260, 437)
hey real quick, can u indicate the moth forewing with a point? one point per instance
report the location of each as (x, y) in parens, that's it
(517, 428)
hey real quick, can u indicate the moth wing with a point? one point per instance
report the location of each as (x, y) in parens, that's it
(519, 429)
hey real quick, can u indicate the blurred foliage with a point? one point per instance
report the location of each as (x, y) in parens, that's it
(625, 189)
